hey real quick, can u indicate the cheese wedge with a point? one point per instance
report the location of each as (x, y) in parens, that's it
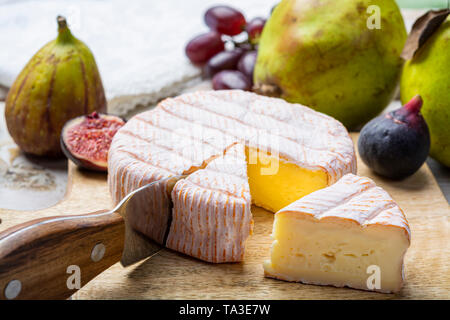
(291, 150)
(214, 233)
(349, 234)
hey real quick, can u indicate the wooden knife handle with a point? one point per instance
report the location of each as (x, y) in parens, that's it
(51, 258)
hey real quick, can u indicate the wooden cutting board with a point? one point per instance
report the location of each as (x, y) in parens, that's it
(170, 275)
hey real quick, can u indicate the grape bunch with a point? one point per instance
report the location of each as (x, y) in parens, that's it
(228, 61)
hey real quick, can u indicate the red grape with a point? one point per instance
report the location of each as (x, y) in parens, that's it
(247, 63)
(203, 47)
(230, 79)
(225, 60)
(254, 29)
(225, 19)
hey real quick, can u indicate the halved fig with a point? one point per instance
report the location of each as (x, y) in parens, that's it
(86, 140)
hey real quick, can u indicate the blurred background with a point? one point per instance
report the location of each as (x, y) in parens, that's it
(138, 45)
(139, 48)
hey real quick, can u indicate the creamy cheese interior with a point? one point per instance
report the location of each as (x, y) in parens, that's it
(275, 183)
(335, 252)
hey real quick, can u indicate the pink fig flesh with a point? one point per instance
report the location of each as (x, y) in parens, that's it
(86, 140)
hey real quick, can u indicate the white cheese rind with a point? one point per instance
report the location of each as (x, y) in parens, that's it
(181, 134)
(353, 198)
(331, 237)
(214, 233)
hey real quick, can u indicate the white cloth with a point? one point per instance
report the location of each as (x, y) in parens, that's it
(138, 44)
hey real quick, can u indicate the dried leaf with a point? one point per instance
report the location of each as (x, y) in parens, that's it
(423, 28)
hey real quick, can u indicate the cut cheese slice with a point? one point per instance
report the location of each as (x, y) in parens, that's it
(298, 150)
(349, 234)
(214, 233)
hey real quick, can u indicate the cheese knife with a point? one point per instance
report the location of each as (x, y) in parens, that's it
(52, 258)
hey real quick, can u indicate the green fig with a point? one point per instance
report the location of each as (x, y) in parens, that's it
(428, 74)
(60, 82)
(322, 54)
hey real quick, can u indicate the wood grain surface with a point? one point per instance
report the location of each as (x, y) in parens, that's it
(170, 275)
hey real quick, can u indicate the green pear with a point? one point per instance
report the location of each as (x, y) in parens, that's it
(323, 54)
(428, 74)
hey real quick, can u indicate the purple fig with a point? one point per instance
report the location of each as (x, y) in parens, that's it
(395, 145)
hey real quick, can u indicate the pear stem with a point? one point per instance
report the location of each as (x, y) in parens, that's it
(414, 104)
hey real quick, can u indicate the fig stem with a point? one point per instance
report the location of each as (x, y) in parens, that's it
(414, 104)
(64, 34)
(62, 22)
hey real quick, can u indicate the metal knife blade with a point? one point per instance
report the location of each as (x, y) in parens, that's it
(141, 204)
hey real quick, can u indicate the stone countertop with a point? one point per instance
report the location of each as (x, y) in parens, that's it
(28, 183)
(138, 45)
